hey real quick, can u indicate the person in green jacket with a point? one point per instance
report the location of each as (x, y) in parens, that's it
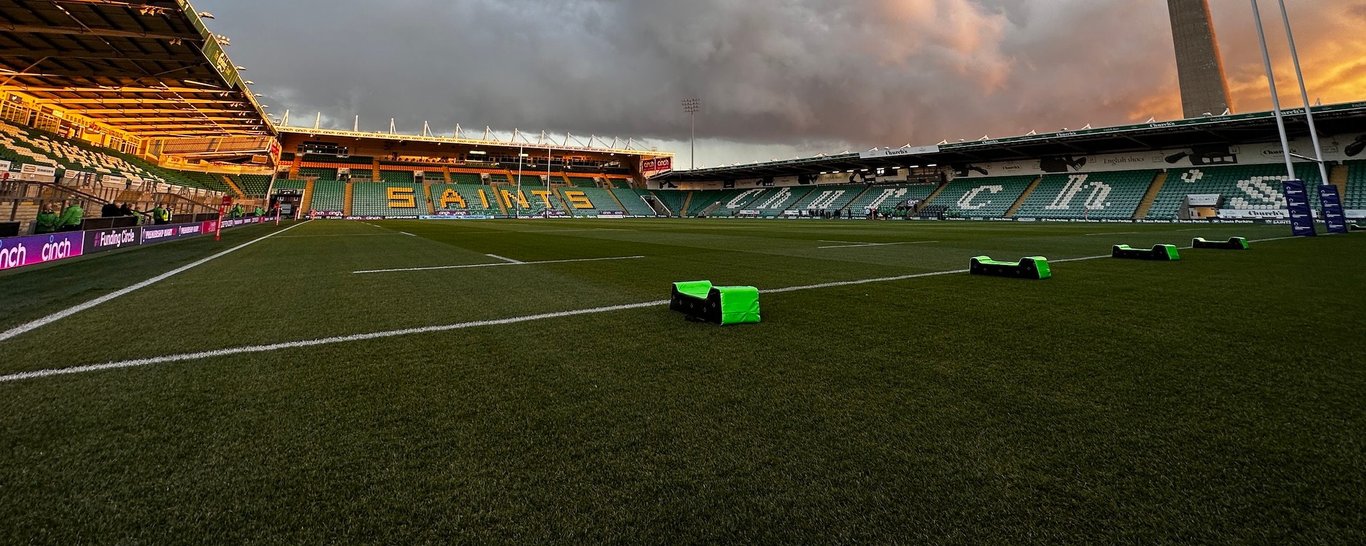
(72, 217)
(158, 215)
(47, 221)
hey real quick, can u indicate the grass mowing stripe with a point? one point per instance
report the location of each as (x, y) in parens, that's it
(28, 327)
(501, 264)
(472, 324)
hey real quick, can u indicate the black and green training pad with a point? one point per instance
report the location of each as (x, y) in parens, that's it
(1162, 253)
(1032, 267)
(1234, 243)
(724, 305)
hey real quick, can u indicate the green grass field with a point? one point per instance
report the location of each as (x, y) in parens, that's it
(1215, 399)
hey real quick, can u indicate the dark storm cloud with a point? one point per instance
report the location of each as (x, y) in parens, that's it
(867, 73)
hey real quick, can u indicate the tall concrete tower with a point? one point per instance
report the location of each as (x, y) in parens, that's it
(1198, 65)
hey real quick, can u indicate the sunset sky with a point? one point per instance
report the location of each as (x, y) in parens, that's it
(777, 78)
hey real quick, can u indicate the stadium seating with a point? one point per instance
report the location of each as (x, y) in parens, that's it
(582, 182)
(712, 201)
(328, 196)
(829, 198)
(469, 193)
(886, 197)
(1113, 195)
(1246, 187)
(26, 145)
(634, 201)
(388, 199)
(318, 172)
(600, 199)
(674, 199)
(396, 177)
(982, 197)
(1355, 197)
(254, 185)
(467, 179)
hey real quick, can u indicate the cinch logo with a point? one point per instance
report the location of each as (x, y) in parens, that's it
(14, 256)
(56, 251)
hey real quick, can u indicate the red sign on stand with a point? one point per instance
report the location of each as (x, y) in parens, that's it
(222, 210)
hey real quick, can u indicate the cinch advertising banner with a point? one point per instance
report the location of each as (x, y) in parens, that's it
(1301, 214)
(40, 249)
(1333, 215)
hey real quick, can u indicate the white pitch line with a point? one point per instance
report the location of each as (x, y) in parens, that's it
(1115, 233)
(863, 245)
(500, 264)
(465, 325)
(322, 341)
(23, 328)
(408, 234)
(508, 260)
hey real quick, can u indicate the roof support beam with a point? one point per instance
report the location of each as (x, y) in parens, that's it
(107, 32)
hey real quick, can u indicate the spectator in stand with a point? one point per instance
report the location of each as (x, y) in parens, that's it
(72, 217)
(47, 221)
(126, 210)
(159, 215)
(109, 210)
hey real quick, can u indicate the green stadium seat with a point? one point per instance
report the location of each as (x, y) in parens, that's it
(1101, 196)
(981, 197)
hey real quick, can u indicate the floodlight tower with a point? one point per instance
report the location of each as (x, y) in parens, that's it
(692, 107)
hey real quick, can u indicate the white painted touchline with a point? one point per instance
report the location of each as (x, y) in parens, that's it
(321, 341)
(248, 349)
(861, 245)
(499, 264)
(22, 328)
(408, 234)
(508, 260)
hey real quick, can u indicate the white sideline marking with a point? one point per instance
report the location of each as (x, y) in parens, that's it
(1115, 233)
(508, 260)
(408, 234)
(500, 264)
(861, 245)
(465, 325)
(322, 341)
(23, 328)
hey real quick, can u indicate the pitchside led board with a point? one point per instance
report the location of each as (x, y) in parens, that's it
(1301, 214)
(1333, 216)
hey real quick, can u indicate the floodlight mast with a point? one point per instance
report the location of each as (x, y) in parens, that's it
(692, 107)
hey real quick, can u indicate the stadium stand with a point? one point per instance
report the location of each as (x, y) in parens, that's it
(1111, 195)
(318, 172)
(1355, 196)
(396, 177)
(777, 202)
(27, 145)
(674, 199)
(468, 193)
(581, 182)
(393, 199)
(885, 197)
(829, 198)
(981, 197)
(253, 185)
(600, 200)
(328, 196)
(634, 201)
(1245, 187)
(472, 179)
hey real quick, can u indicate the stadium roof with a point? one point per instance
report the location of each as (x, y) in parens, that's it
(147, 67)
(1214, 130)
(488, 140)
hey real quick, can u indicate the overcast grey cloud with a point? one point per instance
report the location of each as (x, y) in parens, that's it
(776, 77)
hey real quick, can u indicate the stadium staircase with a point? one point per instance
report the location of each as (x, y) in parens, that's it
(1153, 189)
(427, 196)
(1338, 176)
(687, 202)
(348, 192)
(932, 196)
(1010, 213)
(307, 203)
(227, 180)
